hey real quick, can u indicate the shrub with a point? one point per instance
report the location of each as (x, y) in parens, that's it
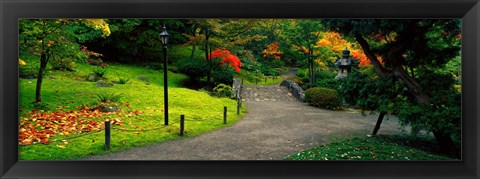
(109, 97)
(267, 71)
(99, 72)
(328, 83)
(62, 64)
(325, 74)
(301, 73)
(223, 75)
(194, 69)
(223, 90)
(305, 79)
(323, 97)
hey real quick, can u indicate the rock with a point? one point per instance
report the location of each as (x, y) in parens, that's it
(92, 78)
(104, 84)
(295, 89)
(106, 108)
(145, 79)
(256, 99)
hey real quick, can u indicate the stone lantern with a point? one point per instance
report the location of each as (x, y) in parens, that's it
(344, 64)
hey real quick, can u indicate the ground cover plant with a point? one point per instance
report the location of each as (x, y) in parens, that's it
(379, 147)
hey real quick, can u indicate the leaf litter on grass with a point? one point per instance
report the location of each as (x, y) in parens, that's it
(40, 127)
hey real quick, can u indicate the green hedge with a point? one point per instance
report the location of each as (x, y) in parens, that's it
(193, 68)
(323, 97)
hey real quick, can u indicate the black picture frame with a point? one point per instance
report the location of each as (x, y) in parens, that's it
(12, 10)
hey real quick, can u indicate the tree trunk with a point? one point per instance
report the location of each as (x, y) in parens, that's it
(38, 89)
(193, 51)
(207, 55)
(310, 66)
(446, 143)
(379, 122)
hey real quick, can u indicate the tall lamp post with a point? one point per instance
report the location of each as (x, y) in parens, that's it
(164, 37)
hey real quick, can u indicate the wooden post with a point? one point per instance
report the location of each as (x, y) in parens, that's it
(182, 124)
(107, 135)
(239, 102)
(224, 114)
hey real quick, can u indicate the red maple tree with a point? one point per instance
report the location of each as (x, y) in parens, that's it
(227, 57)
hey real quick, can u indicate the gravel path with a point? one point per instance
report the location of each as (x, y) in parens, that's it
(276, 125)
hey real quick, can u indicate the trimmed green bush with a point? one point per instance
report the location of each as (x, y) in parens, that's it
(223, 90)
(193, 68)
(323, 97)
(223, 75)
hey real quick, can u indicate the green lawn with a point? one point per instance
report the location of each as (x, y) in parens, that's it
(65, 91)
(261, 81)
(374, 148)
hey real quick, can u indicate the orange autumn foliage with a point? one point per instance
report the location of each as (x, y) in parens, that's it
(227, 57)
(334, 41)
(272, 51)
(362, 58)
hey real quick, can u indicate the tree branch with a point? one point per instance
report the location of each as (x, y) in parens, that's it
(372, 57)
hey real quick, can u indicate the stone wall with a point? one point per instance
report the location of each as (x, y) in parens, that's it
(295, 89)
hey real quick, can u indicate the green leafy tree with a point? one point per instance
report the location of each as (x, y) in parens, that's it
(415, 46)
(303, 34)
(137, 40)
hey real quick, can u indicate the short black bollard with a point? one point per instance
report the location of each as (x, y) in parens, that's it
(239, 103)
(242, 81)
(265, 79)
(224, 114)
(182, 124)
(107, 135)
